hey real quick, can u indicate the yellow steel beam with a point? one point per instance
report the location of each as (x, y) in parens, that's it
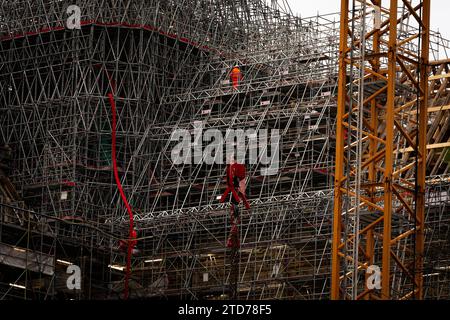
(342, 92)
(389, 158)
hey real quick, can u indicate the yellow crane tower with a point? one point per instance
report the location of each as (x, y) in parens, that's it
(379, 210)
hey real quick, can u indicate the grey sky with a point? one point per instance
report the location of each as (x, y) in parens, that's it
(439, 11)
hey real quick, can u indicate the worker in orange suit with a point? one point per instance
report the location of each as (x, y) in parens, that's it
(236, 76)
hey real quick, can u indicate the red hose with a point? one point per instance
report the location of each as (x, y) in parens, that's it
(122, 194)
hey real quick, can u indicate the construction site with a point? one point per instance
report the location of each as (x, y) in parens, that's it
(92, 94)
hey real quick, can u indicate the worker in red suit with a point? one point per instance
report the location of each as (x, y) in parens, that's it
(235, 178)
(236, 76)
(123, 244)
(236, 186)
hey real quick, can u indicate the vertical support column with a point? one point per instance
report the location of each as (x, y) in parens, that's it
(337, 215)
(389, 158)
(423, 128)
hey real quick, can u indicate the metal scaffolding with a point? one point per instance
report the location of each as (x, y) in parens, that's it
(168, 64)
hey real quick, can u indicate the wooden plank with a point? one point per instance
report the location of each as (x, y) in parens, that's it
(434, 109)
(429, 147)
(438, 109)
(439, 76)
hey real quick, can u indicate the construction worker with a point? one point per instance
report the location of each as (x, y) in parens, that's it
(236, 76)
(236, 184)
(123, 244)
(236, 194)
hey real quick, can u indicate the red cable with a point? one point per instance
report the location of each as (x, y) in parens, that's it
(122, 194)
